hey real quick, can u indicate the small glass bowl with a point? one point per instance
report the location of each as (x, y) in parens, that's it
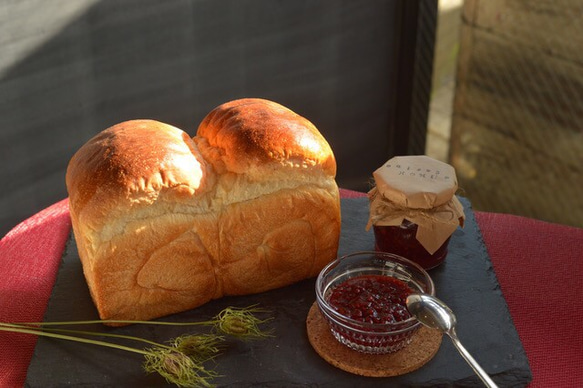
(370, 337)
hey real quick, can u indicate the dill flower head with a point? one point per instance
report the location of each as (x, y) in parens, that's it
(241, 323)
(199, 347)
(177, 368)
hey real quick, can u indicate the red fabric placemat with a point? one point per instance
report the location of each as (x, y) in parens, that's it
(539, 266)
(29, 260)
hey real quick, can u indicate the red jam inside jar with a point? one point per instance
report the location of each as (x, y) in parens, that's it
(372, 299)
(401, 241)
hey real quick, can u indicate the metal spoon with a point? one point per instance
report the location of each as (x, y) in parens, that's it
(433, 313)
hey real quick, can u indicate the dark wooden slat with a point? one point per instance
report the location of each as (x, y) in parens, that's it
(330, 61)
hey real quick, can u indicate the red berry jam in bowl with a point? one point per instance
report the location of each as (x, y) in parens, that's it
(372, 299)
(362, 296)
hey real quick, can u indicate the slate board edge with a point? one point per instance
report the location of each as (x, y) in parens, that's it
(526, 375)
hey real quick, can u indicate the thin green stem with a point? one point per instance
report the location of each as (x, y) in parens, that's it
(109, 335)
(17, 329)
(117, 321)
(84, 332)
(245, 311)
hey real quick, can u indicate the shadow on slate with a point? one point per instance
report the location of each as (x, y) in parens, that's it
(466, 282)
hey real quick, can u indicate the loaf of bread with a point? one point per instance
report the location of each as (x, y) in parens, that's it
(164, 222)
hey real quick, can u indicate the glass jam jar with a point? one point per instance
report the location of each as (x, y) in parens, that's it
(401, 241)
(414, 210)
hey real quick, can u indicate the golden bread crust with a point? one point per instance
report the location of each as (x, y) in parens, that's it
(256, 136)
(166, 223)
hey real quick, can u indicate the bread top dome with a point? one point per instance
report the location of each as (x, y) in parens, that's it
(256, 136)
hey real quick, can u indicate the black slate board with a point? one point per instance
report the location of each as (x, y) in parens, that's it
(466, 282)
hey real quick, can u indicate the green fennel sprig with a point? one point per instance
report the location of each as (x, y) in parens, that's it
(177, 367)
(180, 361)
(241, 323)
(200, 348)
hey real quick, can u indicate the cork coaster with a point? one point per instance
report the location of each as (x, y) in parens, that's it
(424, 345)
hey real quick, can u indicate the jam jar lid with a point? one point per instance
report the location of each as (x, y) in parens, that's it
(417, 182)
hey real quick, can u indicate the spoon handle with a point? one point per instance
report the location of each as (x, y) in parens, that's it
(470, 360)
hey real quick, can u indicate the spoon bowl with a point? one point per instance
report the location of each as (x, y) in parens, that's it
(433, 313)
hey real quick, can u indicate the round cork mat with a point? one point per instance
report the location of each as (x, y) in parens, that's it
(424, 345)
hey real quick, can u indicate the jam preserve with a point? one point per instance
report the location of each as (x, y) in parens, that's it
(372, 299)
(401, 241)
